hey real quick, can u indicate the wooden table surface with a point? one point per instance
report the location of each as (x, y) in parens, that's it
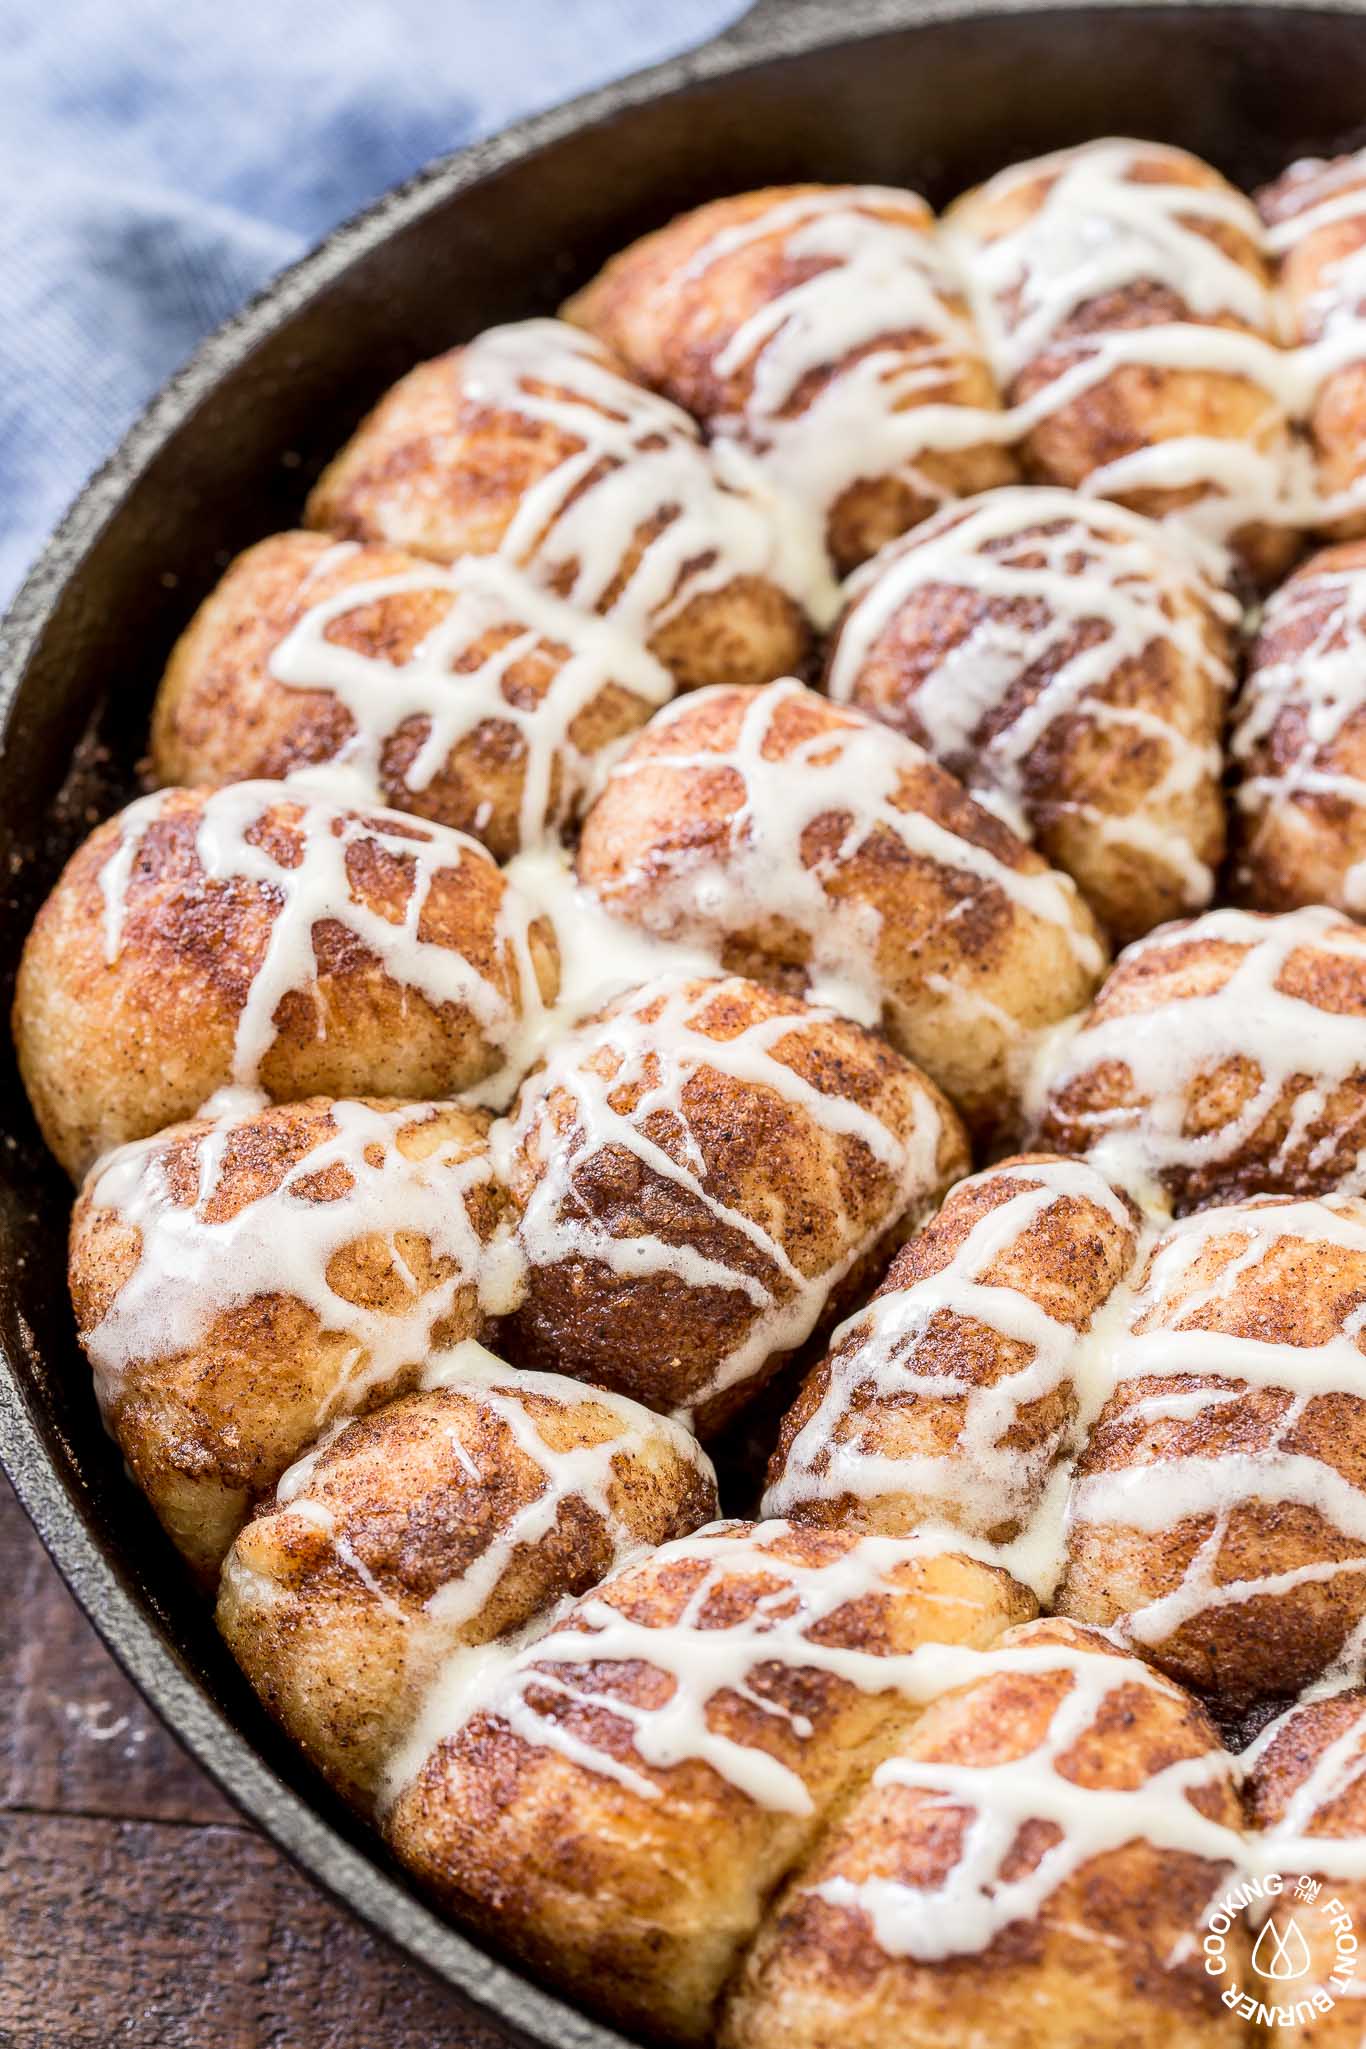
(136, 1906)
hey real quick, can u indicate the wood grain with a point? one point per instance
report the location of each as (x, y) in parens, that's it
(136, 1906)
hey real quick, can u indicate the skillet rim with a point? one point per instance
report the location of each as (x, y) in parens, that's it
(350, 1873)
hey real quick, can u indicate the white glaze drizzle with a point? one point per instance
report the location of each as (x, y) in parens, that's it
(117, 876)
(1265, 1223)
(882, 286)
(976, 1901)
(854, 772)
(1330, 321)
(637, 459)
(487, 596)
(583, 1471)
(1171, 1045)
(600, 956)
(1336, 191)
(782, 1627)
(1132, 1337)
(1292, 1844)
(1165, 1339)
(789, 1626)
(586, 1472)
(1097, 231)
(982, 1482)
(318, 888)
(1325, 682)
(1130, 581)
(754, 504)
(193, 1268)
(657, 1043)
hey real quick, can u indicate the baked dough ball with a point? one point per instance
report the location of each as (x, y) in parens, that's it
(1125, 303)
(532, 443)
(1218, 1511)
(953, 1395)
(240, 1282)
(1316, 228)
(702, 1172)
(1225, 1056)
(467, 695)
(1299, 742)
(273, 939)
(619, 1804)
(812, 848)
(449, 1520)
(823, 328)
(1030, 1869)
(1070, 663)
(1307, 1793)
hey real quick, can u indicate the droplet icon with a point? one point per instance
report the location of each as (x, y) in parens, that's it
(1281, 1954)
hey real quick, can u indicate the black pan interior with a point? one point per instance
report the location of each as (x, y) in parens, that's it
(935, 106)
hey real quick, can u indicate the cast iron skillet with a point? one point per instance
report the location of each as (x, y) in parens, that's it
(933, 97)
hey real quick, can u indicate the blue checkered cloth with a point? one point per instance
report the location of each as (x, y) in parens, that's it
(160, 158)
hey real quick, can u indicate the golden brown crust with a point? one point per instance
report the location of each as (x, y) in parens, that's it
(958, 962)
(221, 716)
(394, 480)
(1289, 1757)
(857, 1405)
(757, 1186)
(1281, 1772)
(116, 1049)
(1086, 777)
(435, 1610)
(1217, 1128)
(1108, 1957)
(1243, 1562)
(1312, 297)
(449, 1519)
(671, 321)
(640, 1901)
(1300, 747)
(671, 316)
(441, 473)
(1138, 405)
(208, 1429)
